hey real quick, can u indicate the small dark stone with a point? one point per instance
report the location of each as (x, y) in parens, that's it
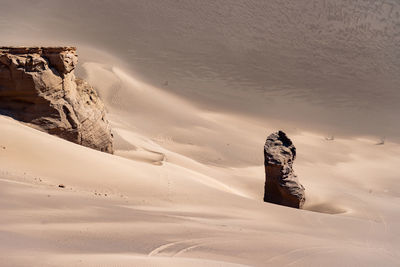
(61, 186)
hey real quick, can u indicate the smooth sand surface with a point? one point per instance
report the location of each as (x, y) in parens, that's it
(333, 65)
(185, 188)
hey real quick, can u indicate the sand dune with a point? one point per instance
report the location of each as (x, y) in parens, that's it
(153, 204)
(335, 62)
(192, 89)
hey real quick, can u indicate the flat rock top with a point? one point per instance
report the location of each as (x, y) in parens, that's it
(35, 49)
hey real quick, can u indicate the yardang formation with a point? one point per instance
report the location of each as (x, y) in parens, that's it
(38, 87)
(281, 184)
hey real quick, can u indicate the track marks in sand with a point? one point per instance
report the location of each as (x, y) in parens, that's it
(162, 247)
(177, 248)
(189, 248)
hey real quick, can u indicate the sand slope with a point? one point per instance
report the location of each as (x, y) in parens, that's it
(185, 189)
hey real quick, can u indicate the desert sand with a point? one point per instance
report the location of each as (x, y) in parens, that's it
(152, 204)
(185, 185)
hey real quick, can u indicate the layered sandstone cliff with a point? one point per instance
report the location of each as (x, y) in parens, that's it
(38, 86)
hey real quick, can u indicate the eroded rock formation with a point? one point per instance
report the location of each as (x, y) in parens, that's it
(38, 86)
(281, 184)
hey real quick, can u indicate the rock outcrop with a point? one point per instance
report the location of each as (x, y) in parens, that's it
(281, 184)
(38, 86)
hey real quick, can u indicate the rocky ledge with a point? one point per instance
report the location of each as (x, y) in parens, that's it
(38, 87)
(281, 184)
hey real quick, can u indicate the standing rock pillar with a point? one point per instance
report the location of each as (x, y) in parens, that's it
(281, 184)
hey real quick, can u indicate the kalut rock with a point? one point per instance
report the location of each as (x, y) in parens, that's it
(38, 87)
(281, 184)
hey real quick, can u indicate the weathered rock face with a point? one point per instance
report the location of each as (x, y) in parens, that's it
(38, 86)
(281, 184)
